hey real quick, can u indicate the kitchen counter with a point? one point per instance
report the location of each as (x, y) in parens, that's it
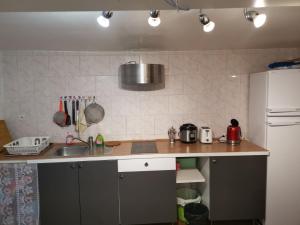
(123, 151)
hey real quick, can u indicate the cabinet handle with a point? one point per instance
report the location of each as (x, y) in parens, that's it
(73, 166)
(214, 161)
(121, 176)
(80, 165)
(146, 164)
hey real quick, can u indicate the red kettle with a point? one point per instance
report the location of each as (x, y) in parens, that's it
(234, 133)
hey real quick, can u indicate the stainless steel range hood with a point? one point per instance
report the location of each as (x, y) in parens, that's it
(141, 77)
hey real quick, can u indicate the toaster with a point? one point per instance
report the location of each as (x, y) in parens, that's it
(205, 135)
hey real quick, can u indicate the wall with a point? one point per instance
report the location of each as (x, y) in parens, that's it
(1, 90)
(205, 88)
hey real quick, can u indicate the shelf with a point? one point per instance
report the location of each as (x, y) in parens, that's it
(189, 176)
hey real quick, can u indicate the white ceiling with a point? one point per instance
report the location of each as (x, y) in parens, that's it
(129, 30)
(119, 5)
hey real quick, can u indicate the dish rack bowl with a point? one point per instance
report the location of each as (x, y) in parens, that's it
(27, 145)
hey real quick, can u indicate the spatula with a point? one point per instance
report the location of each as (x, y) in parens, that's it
(68, 118)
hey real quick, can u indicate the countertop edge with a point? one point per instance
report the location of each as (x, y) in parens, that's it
(143, 156)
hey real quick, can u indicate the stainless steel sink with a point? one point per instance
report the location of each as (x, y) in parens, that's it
(72, 151)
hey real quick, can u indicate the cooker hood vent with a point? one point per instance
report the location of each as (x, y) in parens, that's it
(141, 77)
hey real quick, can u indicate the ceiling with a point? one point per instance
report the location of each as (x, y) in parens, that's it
(119, 5)
(129, 30)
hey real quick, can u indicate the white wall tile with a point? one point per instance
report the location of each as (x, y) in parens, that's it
(11, 87)
(10, 66)
(183, 63)
(125, 105)
(199, 89)
(51, 86)
(164, 122)
(118, 125)
(174, 84)
(26, 84)
(105, 85)
(95, 65)
(63, 65)
(37, 65)
(83, 86)
(140, 125)
(197, 83)
(154, 105)
(183, 104)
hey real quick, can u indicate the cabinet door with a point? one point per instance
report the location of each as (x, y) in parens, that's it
(237, 187)
(58, 187)
(99, 193)
(147, 197)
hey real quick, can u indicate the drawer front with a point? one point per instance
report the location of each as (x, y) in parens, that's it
(155, 164)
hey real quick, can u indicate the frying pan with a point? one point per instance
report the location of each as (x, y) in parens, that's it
(60, 116)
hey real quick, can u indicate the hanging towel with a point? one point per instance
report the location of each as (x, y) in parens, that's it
(19, 196)
(82, 125)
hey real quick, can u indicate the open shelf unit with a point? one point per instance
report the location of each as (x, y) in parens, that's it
(189, 176)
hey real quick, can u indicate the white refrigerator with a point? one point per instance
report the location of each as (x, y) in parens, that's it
(274, 123)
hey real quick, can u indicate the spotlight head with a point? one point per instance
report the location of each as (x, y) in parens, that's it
(208, 25)
(154, 19)
(103, 20)
(253, 16)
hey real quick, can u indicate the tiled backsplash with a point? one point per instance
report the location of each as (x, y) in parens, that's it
(204, 88)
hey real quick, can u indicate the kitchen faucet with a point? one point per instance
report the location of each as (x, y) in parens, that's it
(90, 142)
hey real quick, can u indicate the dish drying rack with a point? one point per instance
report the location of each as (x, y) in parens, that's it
(27, 145)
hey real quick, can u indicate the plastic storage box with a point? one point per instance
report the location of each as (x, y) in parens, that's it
(187, 163)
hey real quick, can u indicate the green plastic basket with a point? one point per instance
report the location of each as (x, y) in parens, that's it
(187, 163)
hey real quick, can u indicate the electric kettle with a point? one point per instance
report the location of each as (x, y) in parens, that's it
(234, 133)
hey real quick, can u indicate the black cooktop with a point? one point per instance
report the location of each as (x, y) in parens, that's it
(143, 147)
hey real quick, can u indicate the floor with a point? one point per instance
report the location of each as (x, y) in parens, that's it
(220, 223)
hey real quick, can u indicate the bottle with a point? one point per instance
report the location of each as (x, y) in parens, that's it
(99, 141)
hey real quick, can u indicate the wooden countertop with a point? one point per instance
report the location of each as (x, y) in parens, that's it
(123, 151)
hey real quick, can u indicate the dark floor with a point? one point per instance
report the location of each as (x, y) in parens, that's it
(220, 223)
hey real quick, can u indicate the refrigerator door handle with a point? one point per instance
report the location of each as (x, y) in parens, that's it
(282, 124)
(283, 110)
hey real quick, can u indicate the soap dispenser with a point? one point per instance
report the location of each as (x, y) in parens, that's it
(99, 141)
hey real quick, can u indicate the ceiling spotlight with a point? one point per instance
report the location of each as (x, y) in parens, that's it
(103, 20)
(258, 19)
(208, 25)
(154, 19)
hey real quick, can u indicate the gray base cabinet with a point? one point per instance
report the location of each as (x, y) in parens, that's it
(58, 188)
(83, 193)
(147, 197)
(237, 187)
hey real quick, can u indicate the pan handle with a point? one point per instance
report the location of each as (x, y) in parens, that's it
(66, 107)
(60, 105)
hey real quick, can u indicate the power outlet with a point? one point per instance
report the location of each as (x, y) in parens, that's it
(21, 117)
